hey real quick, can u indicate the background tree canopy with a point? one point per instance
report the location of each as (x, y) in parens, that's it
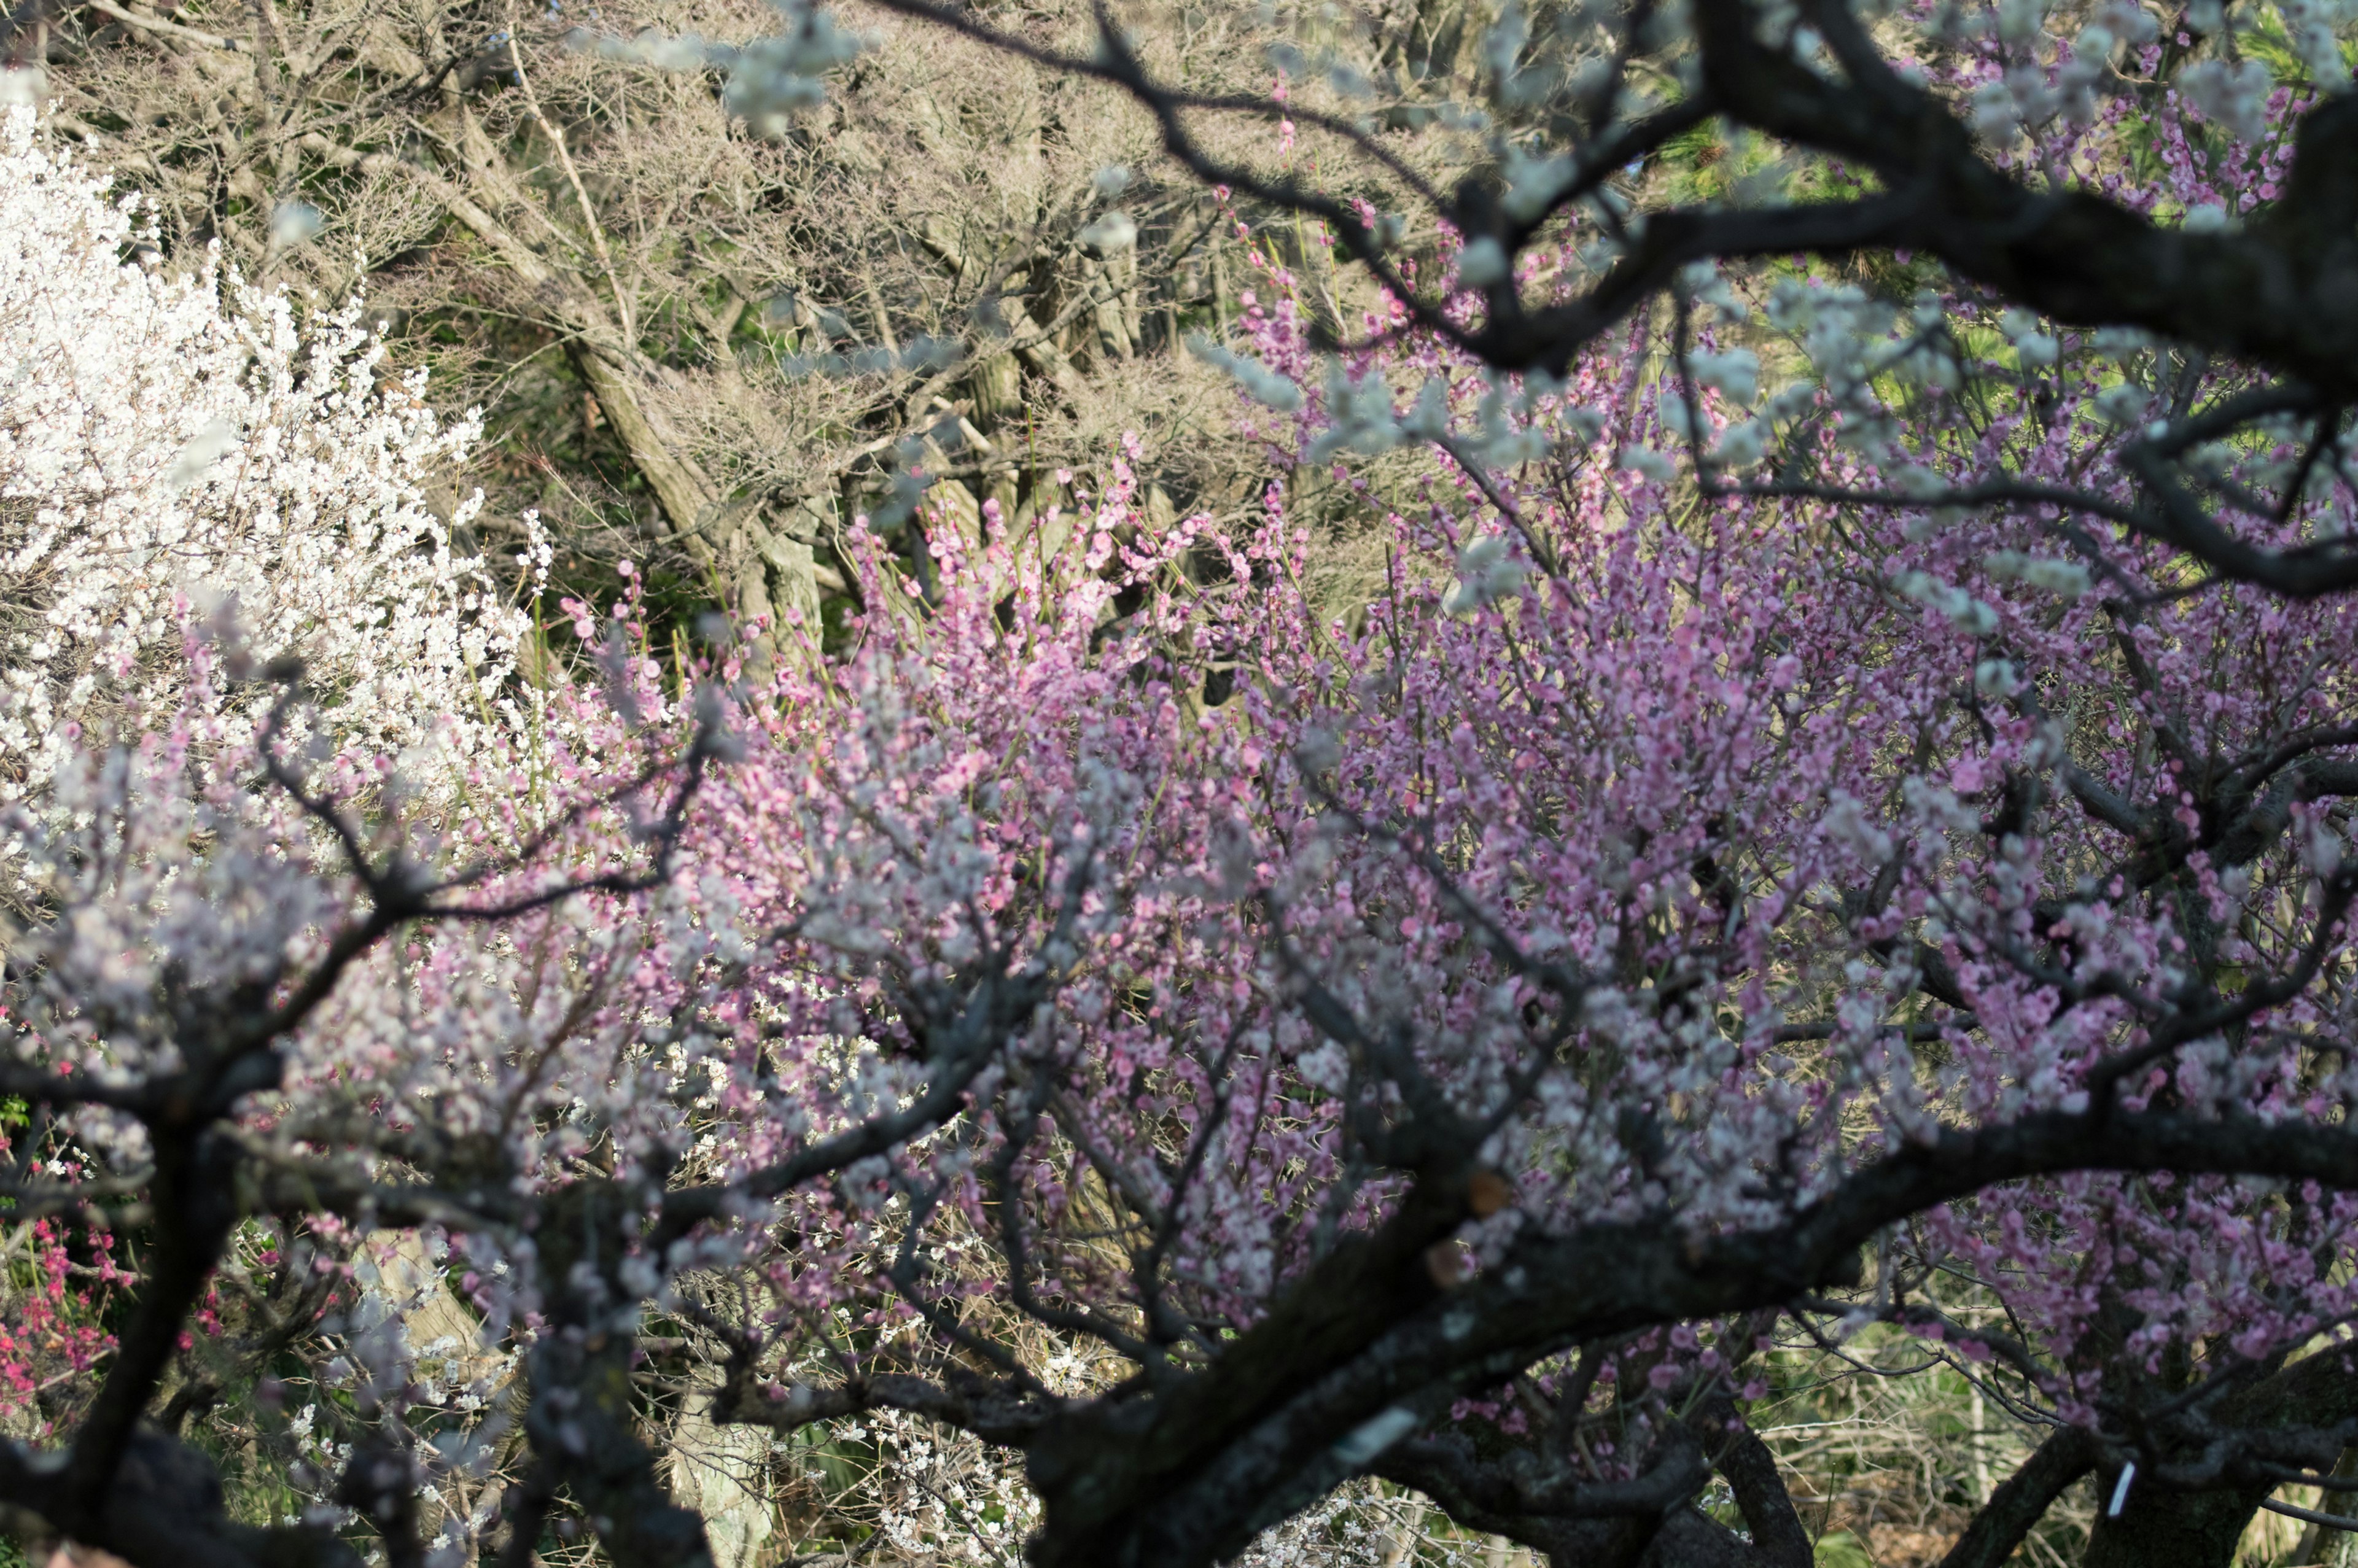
(921, 783)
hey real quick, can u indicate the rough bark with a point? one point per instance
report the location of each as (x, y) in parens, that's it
(582, 1414)
(755, 564)
(722, 1472)
(2168, 1528)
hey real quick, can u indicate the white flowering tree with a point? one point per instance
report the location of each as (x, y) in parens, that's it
(174, 455)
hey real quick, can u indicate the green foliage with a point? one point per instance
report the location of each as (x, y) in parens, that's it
(1842, 1550)
(2264, 38)
(1890, 1450)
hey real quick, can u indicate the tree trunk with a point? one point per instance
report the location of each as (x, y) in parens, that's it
(739, 550)
(2324, 1546)
(2162, 1529)
(722, 1472)
(2159, 1528)
(1032, 341)
(2015, 1507)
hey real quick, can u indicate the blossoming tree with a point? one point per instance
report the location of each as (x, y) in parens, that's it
(1216, 1051)
(164, 457)
(1331, 1061)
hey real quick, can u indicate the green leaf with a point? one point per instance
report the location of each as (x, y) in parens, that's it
(1842, 1550)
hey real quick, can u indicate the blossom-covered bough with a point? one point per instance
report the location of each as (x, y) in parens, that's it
(1560, 947)
(2183, 184)
(1216, 1051)
(197, 932)
(1398, 1067)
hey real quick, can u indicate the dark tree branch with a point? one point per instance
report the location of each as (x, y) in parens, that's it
(2022, 1499)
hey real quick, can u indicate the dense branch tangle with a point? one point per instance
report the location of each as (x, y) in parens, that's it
(1452, 1056)
(1067, 1049)
(709, 351)
(2276, 294)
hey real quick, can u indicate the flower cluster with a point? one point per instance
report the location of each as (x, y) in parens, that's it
(1111, 949)
(174, 454)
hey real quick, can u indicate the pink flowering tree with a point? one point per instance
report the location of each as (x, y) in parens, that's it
(52, 1336)
(1868, 852)
(1449, 1055)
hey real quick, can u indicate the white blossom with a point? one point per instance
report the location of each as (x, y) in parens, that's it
(2235, 95)
(1487, 572)
(166, 459)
